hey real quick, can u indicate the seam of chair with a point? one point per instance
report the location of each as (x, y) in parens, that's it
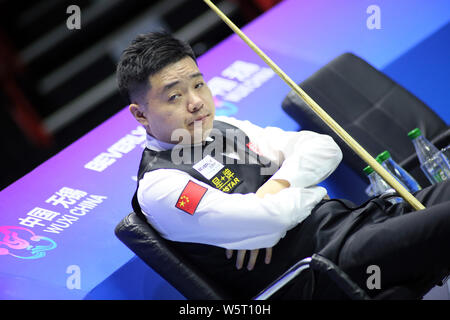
(361, 95)
(327, 98)
(120, 227)
(330, 67)
(378, 106)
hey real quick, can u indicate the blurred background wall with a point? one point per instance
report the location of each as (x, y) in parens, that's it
(56, 83)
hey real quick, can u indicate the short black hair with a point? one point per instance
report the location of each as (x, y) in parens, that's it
(148, 54)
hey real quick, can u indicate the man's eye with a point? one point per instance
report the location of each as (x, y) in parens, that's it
(199, 85)
(173, 97)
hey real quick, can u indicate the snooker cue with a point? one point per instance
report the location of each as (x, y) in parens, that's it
(355, 146)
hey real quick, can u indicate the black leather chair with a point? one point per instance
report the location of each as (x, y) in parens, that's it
(188, 279)
(375, 110)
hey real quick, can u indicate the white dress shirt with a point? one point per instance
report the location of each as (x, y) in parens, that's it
(243, 221)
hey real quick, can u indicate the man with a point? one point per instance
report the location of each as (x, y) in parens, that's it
(212, 192)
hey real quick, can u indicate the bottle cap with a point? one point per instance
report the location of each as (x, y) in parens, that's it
(414, 133)
(383, 156)
(368, 170)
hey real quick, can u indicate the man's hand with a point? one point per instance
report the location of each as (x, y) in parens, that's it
(270, 187)
(253, 255)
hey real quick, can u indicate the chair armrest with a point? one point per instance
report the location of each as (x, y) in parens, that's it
(322, 265)
(284, 279)
(339, 277)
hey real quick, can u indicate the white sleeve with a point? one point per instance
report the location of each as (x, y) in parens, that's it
(306, 157)
(232, 221)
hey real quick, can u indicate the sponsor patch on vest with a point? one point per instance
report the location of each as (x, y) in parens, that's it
(208, 167)
(190, 197)
(226, 180)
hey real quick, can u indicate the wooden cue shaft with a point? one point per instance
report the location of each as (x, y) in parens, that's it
(355, 146)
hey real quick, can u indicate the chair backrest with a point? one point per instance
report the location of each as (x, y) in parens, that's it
(163, 258)
(375, 110)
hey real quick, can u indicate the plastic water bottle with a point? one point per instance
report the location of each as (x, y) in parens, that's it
(378, 186)
(372, 190)
(398, 172)
(369, 190)
(446, 152)
(433, 162)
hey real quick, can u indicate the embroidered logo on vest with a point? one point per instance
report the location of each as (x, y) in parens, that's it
(226, 180)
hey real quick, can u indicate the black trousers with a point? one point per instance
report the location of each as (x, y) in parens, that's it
(410, 248)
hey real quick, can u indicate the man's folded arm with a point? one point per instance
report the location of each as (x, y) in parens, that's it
(306, 158)
(232, 221)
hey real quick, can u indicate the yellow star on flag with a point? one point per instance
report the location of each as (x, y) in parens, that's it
(182, 203)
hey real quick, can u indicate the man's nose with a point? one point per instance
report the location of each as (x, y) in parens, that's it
(195, 103)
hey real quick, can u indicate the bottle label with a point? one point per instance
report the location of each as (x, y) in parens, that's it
(440, 176)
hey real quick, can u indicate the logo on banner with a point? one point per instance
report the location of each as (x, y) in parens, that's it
(117, 150)
(238, 81)
(225, 108)
(23, 243)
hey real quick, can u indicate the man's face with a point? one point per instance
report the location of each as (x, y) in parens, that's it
(178, 99)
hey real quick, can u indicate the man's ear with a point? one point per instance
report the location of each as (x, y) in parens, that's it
(138, 113)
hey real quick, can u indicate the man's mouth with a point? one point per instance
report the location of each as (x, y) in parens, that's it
(199, 119)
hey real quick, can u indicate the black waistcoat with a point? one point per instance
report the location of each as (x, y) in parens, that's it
(226, 138)
(211, 259)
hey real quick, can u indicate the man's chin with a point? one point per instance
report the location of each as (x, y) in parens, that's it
(193, 139)
(200, 133)
(191, 142)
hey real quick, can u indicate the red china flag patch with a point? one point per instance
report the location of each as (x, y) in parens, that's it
(190, 197)
(254, 148)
